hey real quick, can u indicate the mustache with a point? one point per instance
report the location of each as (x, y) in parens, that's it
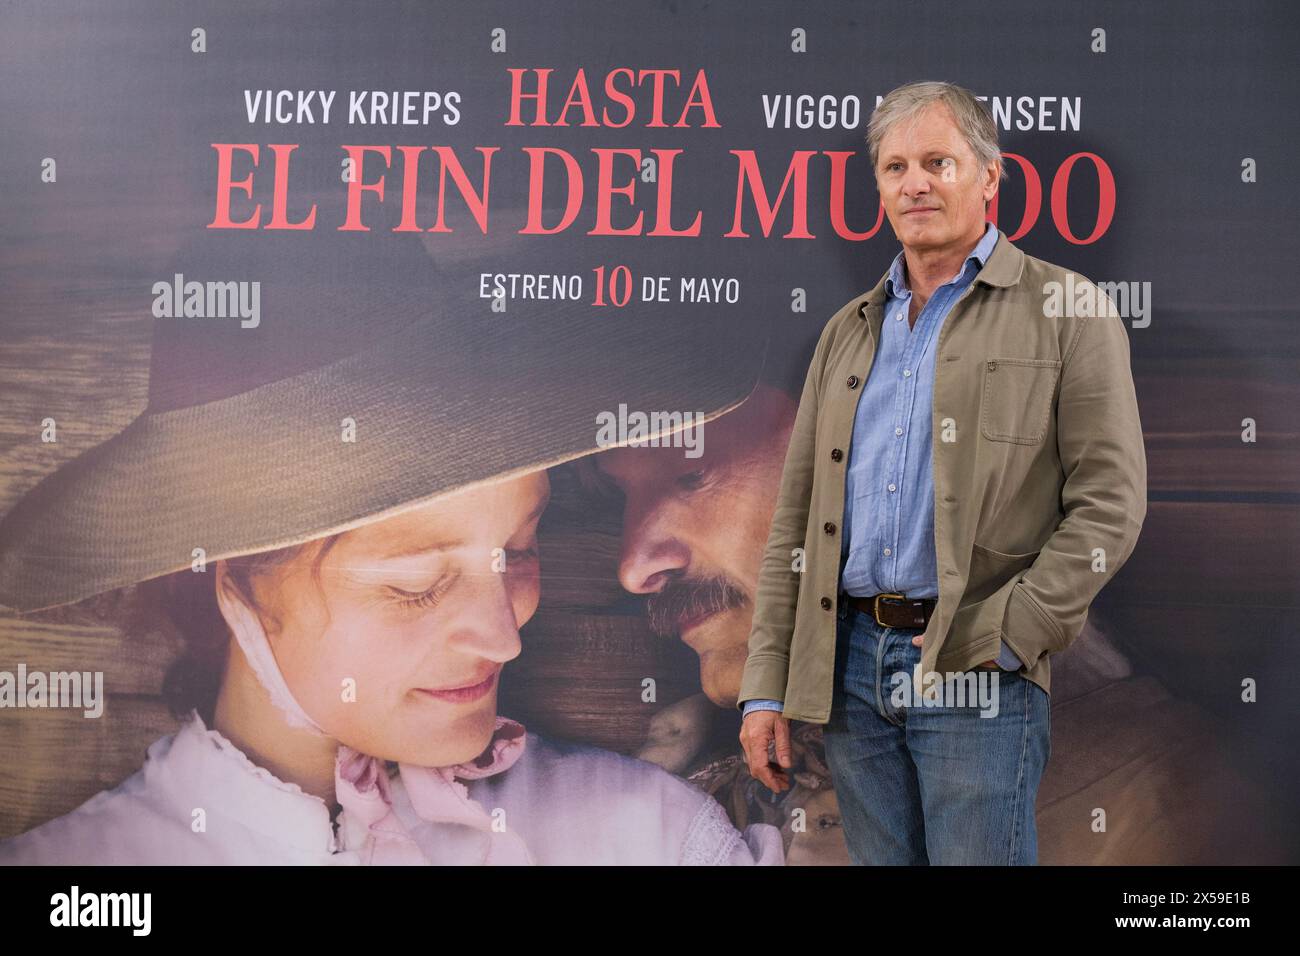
(685, 599)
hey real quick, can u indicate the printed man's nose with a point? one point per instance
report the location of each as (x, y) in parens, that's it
(649, 562)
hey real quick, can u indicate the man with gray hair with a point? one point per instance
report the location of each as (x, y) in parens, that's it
(965, 472)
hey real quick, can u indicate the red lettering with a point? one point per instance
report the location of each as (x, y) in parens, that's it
(536, 166)
(1033, 197)
(357, 186)
(1105, 198)
(748, 173)
(225, 154)
(839, 175)
(280, 202)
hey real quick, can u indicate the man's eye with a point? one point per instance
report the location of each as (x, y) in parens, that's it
(521, 554)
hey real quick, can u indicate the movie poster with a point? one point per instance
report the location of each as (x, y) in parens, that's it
(394, 400)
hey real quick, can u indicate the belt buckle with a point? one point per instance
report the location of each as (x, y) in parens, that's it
(875, 605)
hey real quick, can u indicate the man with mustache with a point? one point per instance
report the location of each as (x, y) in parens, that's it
(1157, 763)
(693, 537)
(694, 532)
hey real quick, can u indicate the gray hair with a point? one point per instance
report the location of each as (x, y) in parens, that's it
(973, 118)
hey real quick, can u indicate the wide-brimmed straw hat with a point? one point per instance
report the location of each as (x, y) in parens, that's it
(241, 446)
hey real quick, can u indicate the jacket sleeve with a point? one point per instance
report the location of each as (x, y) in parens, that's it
(768, 663)
(1104, 496)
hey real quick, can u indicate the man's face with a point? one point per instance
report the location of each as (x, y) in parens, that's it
(694, 531)
(933, 188)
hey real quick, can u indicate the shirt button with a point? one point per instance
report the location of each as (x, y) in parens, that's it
(887, 551)
(836, 454)
(907, 372)
(829, 527)
(826, 603)
(891, 486)
(853, 381)
(898, 431)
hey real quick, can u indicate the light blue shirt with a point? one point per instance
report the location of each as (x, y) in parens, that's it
(888, 530)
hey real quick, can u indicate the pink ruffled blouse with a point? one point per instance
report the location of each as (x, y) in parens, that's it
(526, 800)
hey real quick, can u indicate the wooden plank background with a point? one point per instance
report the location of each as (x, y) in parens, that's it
(1210, 594)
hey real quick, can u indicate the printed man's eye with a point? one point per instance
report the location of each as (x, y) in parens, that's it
(601, 485)
(692, 480)
(611, 488)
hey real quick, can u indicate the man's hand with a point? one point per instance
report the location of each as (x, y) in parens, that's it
(757, 732)
(987, 665)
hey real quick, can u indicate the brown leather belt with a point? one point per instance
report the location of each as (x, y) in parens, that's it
(894, 610)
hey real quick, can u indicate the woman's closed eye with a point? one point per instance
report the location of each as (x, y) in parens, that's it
(423, 599)
(430, 597)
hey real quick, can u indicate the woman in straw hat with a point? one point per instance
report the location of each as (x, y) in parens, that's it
(351, 490)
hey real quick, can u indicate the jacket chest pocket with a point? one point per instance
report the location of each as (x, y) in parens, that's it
(1018, 398)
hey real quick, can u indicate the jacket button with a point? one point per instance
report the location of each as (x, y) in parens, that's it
(853, 381)
(836, 454)
(826, 603)
(829, 527)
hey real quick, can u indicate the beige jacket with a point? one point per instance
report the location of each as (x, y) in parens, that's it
(1039, 481)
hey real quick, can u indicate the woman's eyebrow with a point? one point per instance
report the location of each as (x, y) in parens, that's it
(413, 550)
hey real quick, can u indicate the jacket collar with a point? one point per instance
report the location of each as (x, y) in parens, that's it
(1004, 267)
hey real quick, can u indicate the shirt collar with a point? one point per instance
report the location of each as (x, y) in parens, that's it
(896, 283)
(200, 767)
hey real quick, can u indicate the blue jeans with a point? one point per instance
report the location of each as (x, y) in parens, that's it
(922, 784)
